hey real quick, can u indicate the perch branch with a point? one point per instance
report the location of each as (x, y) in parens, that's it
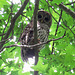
(29, 46)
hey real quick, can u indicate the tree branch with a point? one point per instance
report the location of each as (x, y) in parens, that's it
(70, 12)
(35, 32)
(29, 46)
(13, 22)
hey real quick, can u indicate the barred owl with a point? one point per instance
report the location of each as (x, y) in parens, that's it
(43, 25)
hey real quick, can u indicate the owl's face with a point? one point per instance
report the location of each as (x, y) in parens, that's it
(45, 17)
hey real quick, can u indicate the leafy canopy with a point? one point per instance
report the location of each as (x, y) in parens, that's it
(58, 57)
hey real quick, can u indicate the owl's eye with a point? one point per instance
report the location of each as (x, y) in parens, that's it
(39, 16)
(46, 19)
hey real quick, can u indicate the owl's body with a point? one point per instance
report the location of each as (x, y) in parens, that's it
(27, 38)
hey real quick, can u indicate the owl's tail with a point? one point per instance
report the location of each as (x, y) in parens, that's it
(27, 53)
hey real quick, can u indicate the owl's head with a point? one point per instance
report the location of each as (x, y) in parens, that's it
(44, 17)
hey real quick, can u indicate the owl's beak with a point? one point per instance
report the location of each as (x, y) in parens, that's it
(41, 21)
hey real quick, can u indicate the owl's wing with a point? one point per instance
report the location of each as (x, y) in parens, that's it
(27, 39)
(27, 35)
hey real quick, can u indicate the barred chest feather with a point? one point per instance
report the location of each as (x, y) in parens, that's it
(43, 33)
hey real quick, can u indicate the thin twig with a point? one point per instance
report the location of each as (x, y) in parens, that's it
(3, 60)
(2, 34)
(70, 3)
(13, 22)
(5, 40)
(6, 25)
(56, 31)
(52, 7)
(8, 19)
(71, 69)
(68, 27)
(72, 26)
(26, 17)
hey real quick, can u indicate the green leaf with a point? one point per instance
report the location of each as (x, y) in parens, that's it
(1, 62)
(45, 50)
(3, 2)
(42, 67)
(67, 73)
(14, 72)
(70, 49)
(3, 73)
(53, 71)
(58, 1)
(25, 73)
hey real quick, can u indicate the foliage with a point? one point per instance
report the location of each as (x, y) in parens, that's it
(58, 57)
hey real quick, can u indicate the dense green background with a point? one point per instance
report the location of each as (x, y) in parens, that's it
(57, 59)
